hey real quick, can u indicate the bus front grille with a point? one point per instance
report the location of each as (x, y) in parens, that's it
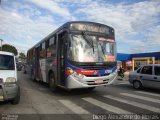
(94, 67)
(97, 75)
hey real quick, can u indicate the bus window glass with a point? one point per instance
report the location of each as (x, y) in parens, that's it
(52, 47)
(107, 48)
(51, 41)
(90, 49)
(43, 45)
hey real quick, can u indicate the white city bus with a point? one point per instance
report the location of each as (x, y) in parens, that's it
(77, 55)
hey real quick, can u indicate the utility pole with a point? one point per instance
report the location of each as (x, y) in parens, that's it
(1, 43)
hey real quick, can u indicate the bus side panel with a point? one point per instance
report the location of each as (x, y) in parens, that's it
(51, 66)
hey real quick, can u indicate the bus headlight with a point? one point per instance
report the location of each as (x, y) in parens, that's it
(77, 75)
(70, 71)
(10, 80)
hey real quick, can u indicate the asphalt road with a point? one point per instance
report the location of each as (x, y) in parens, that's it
(38, 102)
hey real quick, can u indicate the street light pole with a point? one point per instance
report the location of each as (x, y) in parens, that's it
(1, 43)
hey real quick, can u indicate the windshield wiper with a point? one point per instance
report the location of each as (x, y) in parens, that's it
(102, 50)
(88, 40)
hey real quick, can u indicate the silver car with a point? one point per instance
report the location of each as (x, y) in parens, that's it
(146, 76)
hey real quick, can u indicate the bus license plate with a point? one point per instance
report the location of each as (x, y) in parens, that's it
(99, 81)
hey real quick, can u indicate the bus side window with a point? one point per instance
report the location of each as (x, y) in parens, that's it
(40, 51)
(51, 50)
(47, 44)
(43, 50)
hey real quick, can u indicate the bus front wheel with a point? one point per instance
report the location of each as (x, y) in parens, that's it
(52, 83)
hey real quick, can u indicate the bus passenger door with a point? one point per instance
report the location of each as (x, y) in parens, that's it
(61, 57)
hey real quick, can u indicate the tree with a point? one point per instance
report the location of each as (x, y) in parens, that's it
(22, 56)
(9, 48)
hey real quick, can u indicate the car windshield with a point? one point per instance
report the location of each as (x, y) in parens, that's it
(6, 62)
(85, 48)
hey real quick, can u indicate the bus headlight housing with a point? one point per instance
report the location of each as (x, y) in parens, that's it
(77, 75)
(70, 71)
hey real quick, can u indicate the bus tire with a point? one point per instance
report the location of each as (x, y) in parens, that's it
(52, 83)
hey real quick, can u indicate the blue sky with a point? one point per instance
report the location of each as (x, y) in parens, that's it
(137, 22)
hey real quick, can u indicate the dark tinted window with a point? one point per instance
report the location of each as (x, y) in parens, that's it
(157, 70)
(147, 70)
(6, 62)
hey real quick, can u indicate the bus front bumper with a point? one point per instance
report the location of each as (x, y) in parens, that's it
(86, 82)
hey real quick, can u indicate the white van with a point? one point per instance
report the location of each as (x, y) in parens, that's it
(9, 88)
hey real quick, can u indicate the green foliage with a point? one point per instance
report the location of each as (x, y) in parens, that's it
(9, 48)
(22, 56)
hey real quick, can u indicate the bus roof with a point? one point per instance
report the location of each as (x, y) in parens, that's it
(65, 25)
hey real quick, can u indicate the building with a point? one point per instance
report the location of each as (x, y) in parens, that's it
(132, 61)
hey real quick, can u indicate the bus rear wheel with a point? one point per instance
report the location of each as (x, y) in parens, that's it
(52, 83)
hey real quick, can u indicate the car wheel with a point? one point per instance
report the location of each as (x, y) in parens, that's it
(52, 83)
(17, 98)
(137, 85)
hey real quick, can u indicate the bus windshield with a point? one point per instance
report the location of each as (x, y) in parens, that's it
(86, 48)
(6, 62)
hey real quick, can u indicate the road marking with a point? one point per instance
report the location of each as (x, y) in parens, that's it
(140, 105)
(141, 97)
(122, 83)
(73, 107)
(148, 93)
(106, 106)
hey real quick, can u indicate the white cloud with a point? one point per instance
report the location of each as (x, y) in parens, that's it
(53, 7)
(154, 36)
(22, 31)
(128, 20)
(26, 24)
(73, 1)
(16, 15)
